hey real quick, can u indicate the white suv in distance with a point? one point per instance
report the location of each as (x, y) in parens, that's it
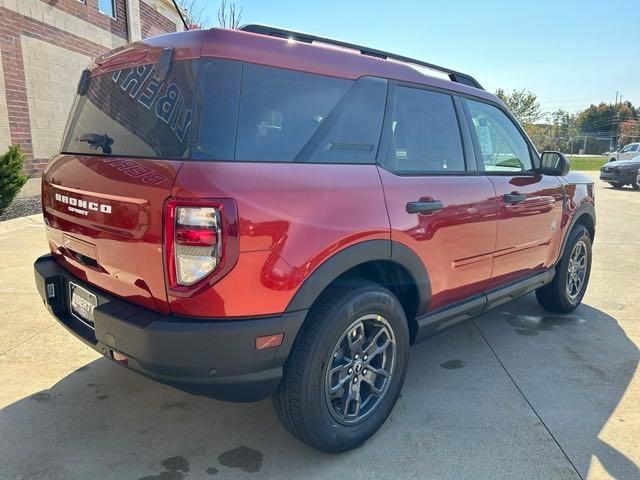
(627, 153)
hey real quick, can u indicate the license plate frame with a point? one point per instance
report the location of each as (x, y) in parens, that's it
(82, 303)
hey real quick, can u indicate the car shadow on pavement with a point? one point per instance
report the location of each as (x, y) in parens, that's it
(574, 370)
(460, 414)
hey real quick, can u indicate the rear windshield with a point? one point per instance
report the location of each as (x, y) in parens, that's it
(215, 109)
(131, 113)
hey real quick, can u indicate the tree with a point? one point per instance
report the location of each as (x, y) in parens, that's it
(604, 118)
(11, 178)
(629, 131)
(541, 135)
(563, 130)
(523, 104)
(193, 12)
(228, 15)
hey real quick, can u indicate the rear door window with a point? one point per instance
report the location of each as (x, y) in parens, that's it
(280, 110)
(424, 133)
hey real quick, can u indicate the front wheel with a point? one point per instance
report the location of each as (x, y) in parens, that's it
(566, 290)
(634, 183)
(346, 368)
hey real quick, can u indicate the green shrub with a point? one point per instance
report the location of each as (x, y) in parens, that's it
(11, 178)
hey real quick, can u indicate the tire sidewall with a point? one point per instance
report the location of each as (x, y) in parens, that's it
(323, 427)
(579, 233)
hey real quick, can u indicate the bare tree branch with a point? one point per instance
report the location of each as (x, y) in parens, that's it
(194, 11)
(229, 16)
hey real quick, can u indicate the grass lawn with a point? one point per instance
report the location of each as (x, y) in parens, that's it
(587, 162)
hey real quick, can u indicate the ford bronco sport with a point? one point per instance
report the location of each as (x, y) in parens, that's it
(263, 212)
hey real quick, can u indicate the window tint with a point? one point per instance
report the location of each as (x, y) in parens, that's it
(352, 131)
(502, 146)
(280, 110)
(217, 109)
(425, 135)
(131, 112)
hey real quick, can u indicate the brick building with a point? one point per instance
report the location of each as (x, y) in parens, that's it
(44, 46)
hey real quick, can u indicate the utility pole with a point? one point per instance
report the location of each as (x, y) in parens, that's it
(616, 104)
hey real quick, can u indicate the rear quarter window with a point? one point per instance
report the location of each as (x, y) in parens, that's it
(131, 112)
(280, 110)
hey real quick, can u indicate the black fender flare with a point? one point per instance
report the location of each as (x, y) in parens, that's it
(358, 254)
(585, 208)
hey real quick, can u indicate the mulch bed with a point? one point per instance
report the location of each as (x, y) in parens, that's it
(21, 207)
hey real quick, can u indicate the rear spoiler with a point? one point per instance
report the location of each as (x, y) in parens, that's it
(164, 66)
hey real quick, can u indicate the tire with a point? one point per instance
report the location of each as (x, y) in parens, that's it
(634, 183)
(616, 184)
(559, 296)
(303, 400)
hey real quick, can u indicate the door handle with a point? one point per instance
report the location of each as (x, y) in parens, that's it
(424, 206)
(514, 197)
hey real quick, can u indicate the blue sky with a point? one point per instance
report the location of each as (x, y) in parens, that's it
(571, 53)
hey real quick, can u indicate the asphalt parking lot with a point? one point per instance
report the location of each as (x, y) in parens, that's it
(516, 393)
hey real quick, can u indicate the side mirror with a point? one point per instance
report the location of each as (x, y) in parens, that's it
(554, 163)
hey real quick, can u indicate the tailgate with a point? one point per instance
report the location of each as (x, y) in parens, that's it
(103, 197)
(104, 222)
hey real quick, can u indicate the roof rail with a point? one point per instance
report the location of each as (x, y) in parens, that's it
(454, 76)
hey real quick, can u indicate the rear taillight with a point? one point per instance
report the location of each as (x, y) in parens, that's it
(197, 242)
(201, 242)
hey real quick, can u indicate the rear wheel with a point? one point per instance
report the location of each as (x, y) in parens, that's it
(566, 290)
(634, 183)
(346, 369)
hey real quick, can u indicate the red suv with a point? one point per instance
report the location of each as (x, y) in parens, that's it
(263, 212)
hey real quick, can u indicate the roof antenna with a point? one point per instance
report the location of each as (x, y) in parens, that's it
(184, 22)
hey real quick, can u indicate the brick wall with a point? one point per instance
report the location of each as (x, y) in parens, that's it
(154, 23)
(44, 45)
(88, 11)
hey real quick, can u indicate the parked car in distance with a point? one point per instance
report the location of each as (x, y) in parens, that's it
(628, 152)
(621, 173)
(253, 213)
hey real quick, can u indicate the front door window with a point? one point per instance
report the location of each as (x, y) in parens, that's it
(502, 146)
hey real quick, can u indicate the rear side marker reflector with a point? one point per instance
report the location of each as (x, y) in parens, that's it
(269, 341)
(120, 358)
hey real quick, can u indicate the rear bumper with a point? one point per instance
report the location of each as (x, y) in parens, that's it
(212, 357)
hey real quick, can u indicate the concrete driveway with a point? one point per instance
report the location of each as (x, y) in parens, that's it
(516, 393)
